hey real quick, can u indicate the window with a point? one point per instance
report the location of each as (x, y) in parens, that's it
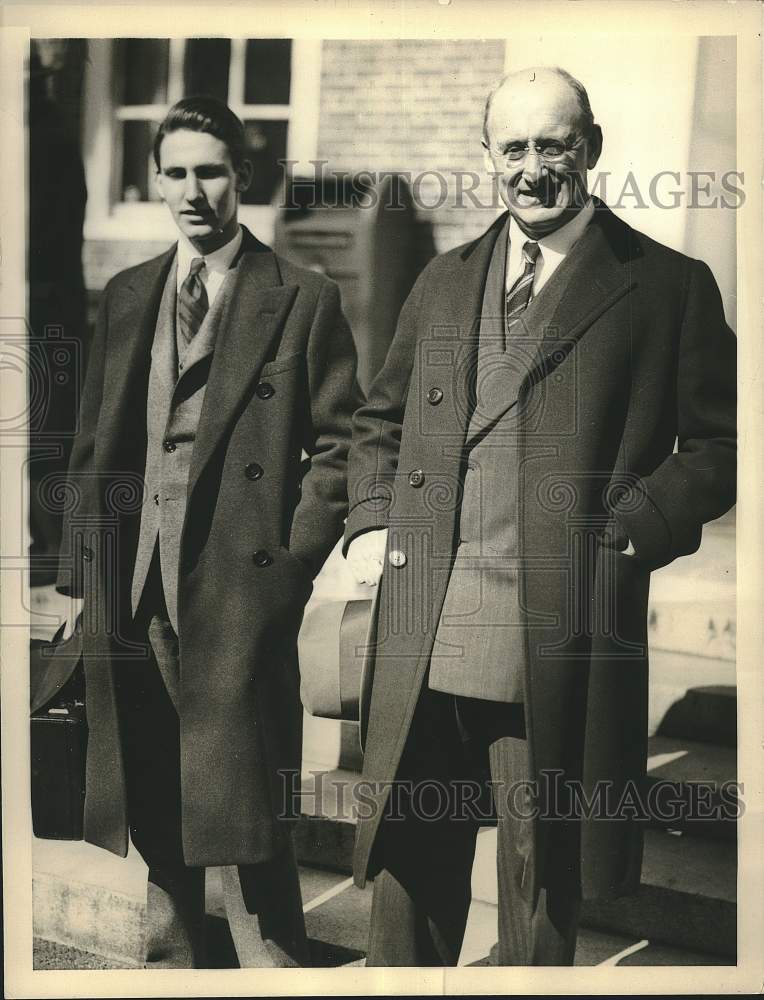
(145, 76)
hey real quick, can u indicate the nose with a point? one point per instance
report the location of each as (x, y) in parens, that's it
(193, 189)
(533, 166)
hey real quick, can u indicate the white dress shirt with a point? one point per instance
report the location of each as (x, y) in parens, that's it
(216, 263)
(554, 248)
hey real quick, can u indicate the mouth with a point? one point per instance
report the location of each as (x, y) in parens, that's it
(536, 198)
(197, 216)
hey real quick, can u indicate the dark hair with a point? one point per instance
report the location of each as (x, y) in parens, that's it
(205, 114)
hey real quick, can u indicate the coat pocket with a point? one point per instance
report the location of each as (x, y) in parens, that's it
(283, 363)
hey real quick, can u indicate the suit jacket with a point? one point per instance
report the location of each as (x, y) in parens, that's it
(281, 385)
(636, 356)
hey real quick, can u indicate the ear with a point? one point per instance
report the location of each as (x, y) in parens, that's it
(244, 175)
(594, 147)
(488, 164)
(158, 184)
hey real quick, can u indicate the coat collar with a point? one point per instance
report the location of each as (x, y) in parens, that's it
(598, 272)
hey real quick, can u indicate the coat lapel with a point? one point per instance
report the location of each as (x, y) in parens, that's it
(256, 312)
(596, 275)
(132, 321)
(456, 316)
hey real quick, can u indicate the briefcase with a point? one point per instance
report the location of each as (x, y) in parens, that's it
(336, 655)
(59, 736)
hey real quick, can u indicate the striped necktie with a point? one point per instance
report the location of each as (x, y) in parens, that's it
(519, 295)
(192, 301)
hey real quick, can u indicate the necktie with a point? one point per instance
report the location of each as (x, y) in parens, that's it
(192, 301)
(519, 295)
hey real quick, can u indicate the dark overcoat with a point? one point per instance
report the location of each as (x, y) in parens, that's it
(280, 394)
(636, 358)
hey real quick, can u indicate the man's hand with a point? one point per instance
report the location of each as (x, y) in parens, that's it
(72, 615)
(366, 556)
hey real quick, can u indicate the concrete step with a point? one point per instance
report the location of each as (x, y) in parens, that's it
(706, 714)
(687, 898)
(479, 948)
(107, 902)
(593, 948)
(91, 903)
(702, 797)
(688, 893)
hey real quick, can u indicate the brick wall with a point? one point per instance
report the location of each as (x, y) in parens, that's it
(413, 105)
(102, 259)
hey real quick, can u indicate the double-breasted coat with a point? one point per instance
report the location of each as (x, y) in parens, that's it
(280, 395)
(635, 358)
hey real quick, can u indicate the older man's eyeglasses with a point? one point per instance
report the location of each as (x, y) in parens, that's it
(547, 150)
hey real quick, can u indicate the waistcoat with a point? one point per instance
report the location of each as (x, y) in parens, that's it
(176, 392)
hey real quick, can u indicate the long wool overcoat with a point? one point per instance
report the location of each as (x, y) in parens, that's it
(636, 359)
(281, 387)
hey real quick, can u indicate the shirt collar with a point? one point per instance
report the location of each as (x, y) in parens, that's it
(219, 260)
(558, 243)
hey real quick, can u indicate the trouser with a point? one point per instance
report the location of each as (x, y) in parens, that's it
(262, 901)
(426, 842)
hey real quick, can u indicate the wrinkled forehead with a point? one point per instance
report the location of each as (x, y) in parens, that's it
(542, 109)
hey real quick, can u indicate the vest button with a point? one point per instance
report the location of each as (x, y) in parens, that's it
(169, 446)
(416, 478)
(87, 553)
(253, 471)
(262, 558)
(264, 390)
(397, 558)
(434, 395)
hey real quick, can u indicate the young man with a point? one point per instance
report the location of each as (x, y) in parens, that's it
(196, 534)
(518, 448)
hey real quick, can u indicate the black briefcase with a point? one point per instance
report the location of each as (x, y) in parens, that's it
(59, 736)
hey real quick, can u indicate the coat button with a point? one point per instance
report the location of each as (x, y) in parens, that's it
(253, 471)
(169, 446)
(434, 395)
(262, 558)
(87, 553)
(416, 478)
(397, 558)
(264, 390)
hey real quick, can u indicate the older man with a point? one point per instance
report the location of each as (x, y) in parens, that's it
(515, 469)
(209, 471)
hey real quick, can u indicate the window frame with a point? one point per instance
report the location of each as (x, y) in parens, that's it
(109, 218)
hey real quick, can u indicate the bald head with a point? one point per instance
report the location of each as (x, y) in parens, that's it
(540, 142)
(549, 91)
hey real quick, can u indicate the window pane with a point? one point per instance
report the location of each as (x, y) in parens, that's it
(266, 144)
(137, 161)
(205, 69)
(268, 71)
(143, 64)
